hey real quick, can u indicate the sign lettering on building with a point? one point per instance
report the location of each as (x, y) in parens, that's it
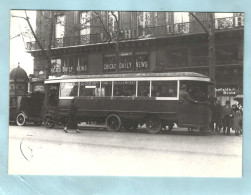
(227, 91)
(128, 62)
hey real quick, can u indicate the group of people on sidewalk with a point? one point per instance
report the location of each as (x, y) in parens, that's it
(226, 117)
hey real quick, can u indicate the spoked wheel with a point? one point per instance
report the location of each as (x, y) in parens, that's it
(21, 119)
(49, 121)
(130, 125)
(153, 125)
(113, 122)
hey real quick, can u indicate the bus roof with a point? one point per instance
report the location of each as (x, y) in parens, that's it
(131, 75)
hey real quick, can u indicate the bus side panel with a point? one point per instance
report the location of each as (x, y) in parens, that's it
(126, 108)
(192, 114)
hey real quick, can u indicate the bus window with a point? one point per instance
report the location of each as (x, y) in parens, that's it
(69, 89)
(197, 90)
(164, 88)
(124, 88)
(144, 89)
(106, 88)
(91, 88)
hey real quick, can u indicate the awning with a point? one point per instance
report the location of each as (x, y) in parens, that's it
(238, 98)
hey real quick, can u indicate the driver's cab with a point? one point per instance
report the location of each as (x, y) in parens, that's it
(193, 109)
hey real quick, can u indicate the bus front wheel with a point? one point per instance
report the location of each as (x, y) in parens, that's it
(113, 122)
(153, 125)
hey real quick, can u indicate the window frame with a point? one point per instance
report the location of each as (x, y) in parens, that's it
(78, 81)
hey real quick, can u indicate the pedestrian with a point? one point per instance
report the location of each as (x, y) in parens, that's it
(226, 115)
(241, 117)
(213, 113)
(72, 122)
(236, 120)
(218, 116)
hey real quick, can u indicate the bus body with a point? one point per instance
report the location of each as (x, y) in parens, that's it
(127, 100)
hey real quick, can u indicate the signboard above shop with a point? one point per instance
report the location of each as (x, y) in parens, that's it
(128, 62)
(226, 91)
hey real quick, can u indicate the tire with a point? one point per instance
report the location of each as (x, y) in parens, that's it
(130, 125)
(21, 119)
(153, 125)
(49, 121)
(113, 122)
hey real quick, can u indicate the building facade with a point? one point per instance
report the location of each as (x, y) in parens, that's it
(88, 42)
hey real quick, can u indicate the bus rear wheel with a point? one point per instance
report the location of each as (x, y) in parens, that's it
(153, 125)
(113, 122)
(49, 121)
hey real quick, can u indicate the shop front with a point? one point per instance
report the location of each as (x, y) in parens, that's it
(227, 93)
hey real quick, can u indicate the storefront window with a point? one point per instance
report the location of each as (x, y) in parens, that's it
(82, 64)
(89, 89)
(178, 57)
(124, 88)
(109, 63)
(69, 89)
(164, 88)
(126, 62)
(142, 62)
(226, 54)
(199, 56)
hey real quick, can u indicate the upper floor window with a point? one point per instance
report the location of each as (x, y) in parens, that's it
(224, 20)
(223, 15)
(85, 23)
(56, 65)
(60, 26)
(112, 23)
(144, 19)
(180, 17)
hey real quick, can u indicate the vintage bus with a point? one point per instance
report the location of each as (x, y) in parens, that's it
(129, 100)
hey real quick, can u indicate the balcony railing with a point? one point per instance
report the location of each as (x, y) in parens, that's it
(221, 24)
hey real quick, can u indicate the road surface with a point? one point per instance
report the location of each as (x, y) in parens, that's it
(41, 151)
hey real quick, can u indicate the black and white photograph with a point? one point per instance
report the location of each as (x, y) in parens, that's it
(126, 93)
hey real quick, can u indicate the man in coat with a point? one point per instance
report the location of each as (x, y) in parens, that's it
(226, 116)
(218, 115)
